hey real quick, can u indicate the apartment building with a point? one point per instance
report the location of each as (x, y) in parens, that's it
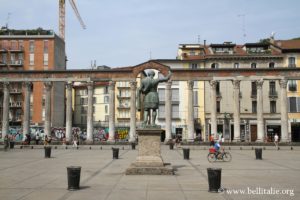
(36, 49)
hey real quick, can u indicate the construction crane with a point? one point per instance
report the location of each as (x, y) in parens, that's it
(62, 14)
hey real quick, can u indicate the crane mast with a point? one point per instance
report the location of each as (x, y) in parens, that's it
(62, 16)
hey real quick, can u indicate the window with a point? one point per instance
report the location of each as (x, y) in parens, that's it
(192, 53)
(46, 46)
(106, 109)
(106, 118)
(14, 45)
(21, 44)
(272, 65)
(196, 112)
(253, 89)
(218, 106)
(45, 59)
(215, 65)
(83, 101)
(193, 65)
(294, 104)
(161, 111)
(272, 106)
(236, 65)
(106, 99)
(253, 65)
(175, 94)
(4, 58)
(175, 111)
(31, 46)
(106, 90)
(254, 106)
(31, 59)
(218, 89)
(272, 87)
(292, 85)
(83, 119)
(84, 109)
(161, 94)
(292, 62)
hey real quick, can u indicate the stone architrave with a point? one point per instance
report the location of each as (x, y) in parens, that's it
(213, 117)
(236, 110)
(111, 119)
(190, 117)
(260, 117)
(149, 160)
(48, 86)
(26, 115)
(283, 111)
(69, 87)
(132, 133)
(5, 112)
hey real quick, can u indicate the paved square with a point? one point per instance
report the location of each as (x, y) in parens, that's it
(26, 174)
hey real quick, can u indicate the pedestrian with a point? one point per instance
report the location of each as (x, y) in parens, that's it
(177, 141)
(6, 142)
(75, 140)
(276, 140)
(37, 138)
(28, 138)
(46, 141)
(212, 140)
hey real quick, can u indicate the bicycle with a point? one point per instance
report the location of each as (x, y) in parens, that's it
(223, 155)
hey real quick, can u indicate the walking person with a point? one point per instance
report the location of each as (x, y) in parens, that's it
(276, 138)
(6, 142)
(75, 140)
(212, 140)
(46, 141)
(37, 138)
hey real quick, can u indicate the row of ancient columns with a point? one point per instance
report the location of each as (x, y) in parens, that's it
(168, 110)
(260, 118)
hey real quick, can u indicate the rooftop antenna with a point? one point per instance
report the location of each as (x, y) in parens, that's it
(243, 16)
(199, 39)
(7, 20)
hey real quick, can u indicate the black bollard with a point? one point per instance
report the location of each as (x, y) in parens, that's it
(115, 153)
(133, 145)
(90, 147)
(186, 153)
(47, 152)
(258, 153)
(291, 148)
(171, 145)
(11, 144)
(73, 177)
(214, 179)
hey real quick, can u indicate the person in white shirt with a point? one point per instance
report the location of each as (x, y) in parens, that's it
(276, 140)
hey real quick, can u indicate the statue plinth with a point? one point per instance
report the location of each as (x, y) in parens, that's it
(149, 160)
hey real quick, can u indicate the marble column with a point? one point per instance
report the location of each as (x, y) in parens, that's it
(236, 110)
(213, 109)
(26, 114)
(48, 87)
(111, 119)
(168, 109)
(132, 133)
(5, 114)
(283, 111)
(90, 126)
(69, 87)
(190, 119)
(260, 116)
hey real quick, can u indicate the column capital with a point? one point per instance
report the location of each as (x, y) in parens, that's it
(48, 85)
(133, 85)
(236, 84)
(112, 84)
(190, 85)
(168, 84)
(259, 83)
(213, 84)
(5, 84)
(69, 85)
(283, 83)
(90, 85)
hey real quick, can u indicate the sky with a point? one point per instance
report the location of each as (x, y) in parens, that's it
(129, 32)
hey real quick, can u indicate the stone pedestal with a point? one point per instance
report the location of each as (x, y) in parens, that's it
(149, 160)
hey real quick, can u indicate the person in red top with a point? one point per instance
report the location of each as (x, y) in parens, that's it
(212, 140)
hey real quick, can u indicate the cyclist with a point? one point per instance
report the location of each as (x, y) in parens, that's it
(217, 147)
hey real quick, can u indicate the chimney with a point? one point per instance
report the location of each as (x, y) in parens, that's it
(204, 43)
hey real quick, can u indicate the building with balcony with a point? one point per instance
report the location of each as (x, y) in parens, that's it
(33, 50)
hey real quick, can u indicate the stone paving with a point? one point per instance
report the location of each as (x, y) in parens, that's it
(26, 174)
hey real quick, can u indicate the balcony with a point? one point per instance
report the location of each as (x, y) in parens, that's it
(292, 66)
(16, 49)
(273, 94)
(16, 63)
(122, 107)
(3, 63)
(15, 91)
(123, 97)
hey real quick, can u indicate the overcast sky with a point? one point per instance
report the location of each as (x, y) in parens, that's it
(124, 32)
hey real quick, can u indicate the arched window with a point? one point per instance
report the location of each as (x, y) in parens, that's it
(215, 65)
(253, 65)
